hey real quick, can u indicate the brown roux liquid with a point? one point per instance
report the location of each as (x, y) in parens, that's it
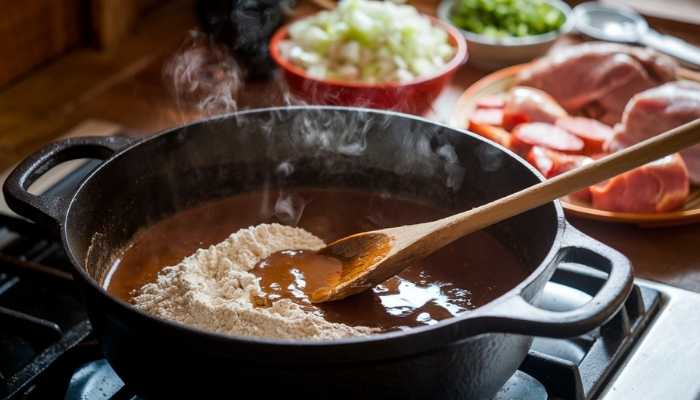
(464, 275)
(296, 274)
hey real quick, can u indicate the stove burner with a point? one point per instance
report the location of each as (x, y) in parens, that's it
(40, 310)
(97, 380)
(578, 368)
(522, 386)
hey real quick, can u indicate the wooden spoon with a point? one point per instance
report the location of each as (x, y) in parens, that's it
(370, 258)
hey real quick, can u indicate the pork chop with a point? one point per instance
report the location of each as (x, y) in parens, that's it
(657, 110)
(598, 78)
(659, 186)
(524, 104)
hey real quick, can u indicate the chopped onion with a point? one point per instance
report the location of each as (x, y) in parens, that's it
(368, 41)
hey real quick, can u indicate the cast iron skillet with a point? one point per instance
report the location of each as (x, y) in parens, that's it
(140, 182)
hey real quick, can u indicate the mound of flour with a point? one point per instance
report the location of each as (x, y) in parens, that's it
(213, 289)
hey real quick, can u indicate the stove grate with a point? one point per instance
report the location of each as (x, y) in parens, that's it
(40, 309)
(578, 368)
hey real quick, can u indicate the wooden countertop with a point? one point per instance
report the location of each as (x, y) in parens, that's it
(126, 86)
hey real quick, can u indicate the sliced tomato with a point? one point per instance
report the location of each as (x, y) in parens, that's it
(490, 102)
(527, 135)
(593, 133)
(487, 116)
(493, 133)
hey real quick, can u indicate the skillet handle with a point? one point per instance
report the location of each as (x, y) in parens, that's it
(517, 315)
(51, 210)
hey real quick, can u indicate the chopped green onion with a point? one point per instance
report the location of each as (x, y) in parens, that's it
(502, 18)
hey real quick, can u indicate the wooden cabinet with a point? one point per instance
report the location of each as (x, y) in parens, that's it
(113, 19)
(33, 31)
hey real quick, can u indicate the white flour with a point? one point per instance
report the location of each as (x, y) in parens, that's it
(212, 289)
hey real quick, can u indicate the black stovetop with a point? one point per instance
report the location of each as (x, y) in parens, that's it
(47, 349)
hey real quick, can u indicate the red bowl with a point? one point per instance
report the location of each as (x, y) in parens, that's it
(415, 96)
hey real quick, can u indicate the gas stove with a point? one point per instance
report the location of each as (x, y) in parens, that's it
(47, 349)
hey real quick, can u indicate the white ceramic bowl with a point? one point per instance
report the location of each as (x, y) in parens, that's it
(489, 53)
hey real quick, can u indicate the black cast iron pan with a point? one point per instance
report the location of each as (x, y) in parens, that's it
(142, 181)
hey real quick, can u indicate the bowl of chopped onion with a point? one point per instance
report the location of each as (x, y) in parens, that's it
(369, 54)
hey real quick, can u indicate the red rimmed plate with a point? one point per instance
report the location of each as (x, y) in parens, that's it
(501, 81)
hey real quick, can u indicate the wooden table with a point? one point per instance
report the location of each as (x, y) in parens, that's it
(134, 95)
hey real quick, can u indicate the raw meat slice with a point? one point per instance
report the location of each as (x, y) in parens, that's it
(525, 136)
(552, 163)
(658, 110)
(493, 133)
(487, 116)
(538, 157)
(494, 101)
(593, 133)
(598, 78)
(524, 104)
(659, 186)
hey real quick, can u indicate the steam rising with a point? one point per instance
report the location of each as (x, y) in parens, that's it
(455, 172)
(203, 76)
(319, 132)
(429, 155)
(490, 158)
(288, 207)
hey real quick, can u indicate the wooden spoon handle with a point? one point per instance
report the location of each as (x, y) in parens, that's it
(456, 226)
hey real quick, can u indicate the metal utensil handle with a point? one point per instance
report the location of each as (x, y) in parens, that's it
(518, 315)
(673, 46)
(50, 210)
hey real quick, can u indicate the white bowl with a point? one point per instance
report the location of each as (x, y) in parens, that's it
(489, 53)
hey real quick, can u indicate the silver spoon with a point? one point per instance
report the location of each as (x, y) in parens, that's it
(617, 24)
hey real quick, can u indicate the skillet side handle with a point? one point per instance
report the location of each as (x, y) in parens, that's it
(50, 210)
(517, 315)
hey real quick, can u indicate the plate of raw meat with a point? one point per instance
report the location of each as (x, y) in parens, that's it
(583, 102)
